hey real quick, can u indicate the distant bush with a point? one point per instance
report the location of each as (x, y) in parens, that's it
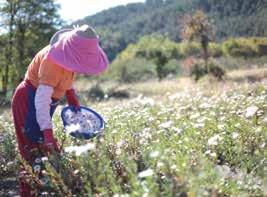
(245, 47)
(154, 56)
(136, 70)
(190, 48)
(198, 69)
(215, 50)
(96, 93)
(172, 67)
(216, 70)
(119, 94)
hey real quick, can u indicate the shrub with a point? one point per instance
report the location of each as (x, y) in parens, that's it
(137, 69)
(245, 47)
(119, 94)
(190, 48)
(172, 67)
(96, 93)
(215, 50)
(198, 70)
(216, 70)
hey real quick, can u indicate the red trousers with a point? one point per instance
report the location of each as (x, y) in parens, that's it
(27, 129)
(19, 110)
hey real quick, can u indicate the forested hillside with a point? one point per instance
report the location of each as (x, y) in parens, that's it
(122, 25)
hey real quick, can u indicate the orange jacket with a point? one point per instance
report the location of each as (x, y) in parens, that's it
(43, 71)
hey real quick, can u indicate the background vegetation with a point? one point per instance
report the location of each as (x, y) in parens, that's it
(165, 134)
(126, 24)
(28, 25)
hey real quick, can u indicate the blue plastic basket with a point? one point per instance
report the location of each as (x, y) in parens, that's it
(70, 117)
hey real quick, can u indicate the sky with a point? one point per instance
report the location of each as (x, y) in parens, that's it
(72, 10)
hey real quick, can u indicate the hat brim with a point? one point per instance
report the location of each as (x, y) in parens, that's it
(58, 35)
(77, 54)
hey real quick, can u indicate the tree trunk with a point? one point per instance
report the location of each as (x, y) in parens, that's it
(21, 48)
(205, 44)
(9, 48)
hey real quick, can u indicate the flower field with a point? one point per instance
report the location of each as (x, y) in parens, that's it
(197, 141)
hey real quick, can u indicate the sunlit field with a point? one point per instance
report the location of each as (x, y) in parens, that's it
(170, 138)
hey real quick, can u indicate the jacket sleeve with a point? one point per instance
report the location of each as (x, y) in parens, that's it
(42, 104)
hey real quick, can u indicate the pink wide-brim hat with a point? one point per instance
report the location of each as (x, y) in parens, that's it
(76, 52)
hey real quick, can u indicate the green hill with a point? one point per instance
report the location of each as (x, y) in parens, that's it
(122, 25)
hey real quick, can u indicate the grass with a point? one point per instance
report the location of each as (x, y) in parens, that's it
(172, 138)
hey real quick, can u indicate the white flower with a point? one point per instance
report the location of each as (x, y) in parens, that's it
(118, 151)
(220, 126)
(251, 111)
(238, 125)
(204, 105)
(121, 143)
(173, 97)
(173, 167)
(37, 168)
(78, 150)
(154, 154)
(114, 131)
(146, 173)
(262, 146)
(223, 171)
(194, 116)
(44, 159)
(147, 101)
(207, 152)
(235, 135)
(177, 130)
(11, 163)
(72, 128)
(160, 164)
(213, 154)
(166, 125)
(214, 140)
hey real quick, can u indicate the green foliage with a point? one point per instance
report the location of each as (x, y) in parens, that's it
(29, 26)
(244, 47)
(172, 67)
(190, 49)
(120, 26)
(96, 93)
(7, 146)
(198, 70)
(216, 70)
(203, 141)
(154, 48)
(238, 18)
(137, 70)
(160, 50)
(215, 50)
(198, 27)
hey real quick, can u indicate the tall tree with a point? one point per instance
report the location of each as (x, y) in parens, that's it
(36, 21)
(198, 27)
(8, 13)
(29, 24)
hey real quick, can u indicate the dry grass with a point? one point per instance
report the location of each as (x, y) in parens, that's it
(158, 89)
(250, 75)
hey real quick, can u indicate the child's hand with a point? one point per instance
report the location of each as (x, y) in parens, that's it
(50, 143)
